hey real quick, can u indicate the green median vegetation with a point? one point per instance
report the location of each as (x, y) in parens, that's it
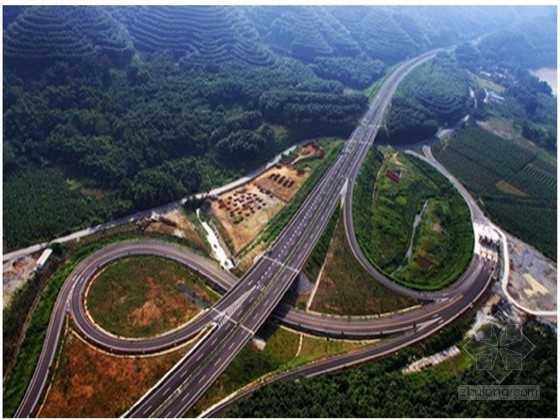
(282, 351)
(410, 221)
(319, 253)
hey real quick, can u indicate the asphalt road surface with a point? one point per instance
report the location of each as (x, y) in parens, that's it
(251, 300)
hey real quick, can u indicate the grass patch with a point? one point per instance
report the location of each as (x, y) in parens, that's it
(488, 84)
(143, 296)
(452, 366)
(385, 213)
(280, 353)
(317, 258)
(314, 348)
(347, 289)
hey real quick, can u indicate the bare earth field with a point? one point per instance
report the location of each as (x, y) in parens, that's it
(146, 296)
(246, 210)
(533, 277)
(15, 274)
(504, 128)
(90, 383)
(176, 222)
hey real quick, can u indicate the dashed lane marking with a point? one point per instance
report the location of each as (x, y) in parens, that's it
(282, 264)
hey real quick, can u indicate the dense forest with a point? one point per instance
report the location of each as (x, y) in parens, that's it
(124, 108)
(435, 94)
(379, 389)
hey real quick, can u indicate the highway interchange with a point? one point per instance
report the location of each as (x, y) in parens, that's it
(249, 301)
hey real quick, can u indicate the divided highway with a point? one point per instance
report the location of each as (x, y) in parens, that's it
(251, 300)
(255, 296)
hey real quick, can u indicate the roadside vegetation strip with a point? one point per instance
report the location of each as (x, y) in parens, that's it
(16, 315)
(347, 289)
(279, 221)
(319, 253)
(280, 353)
(516, 187)
(389, 391)
(145, 296)
(17, 381)
(388, 203)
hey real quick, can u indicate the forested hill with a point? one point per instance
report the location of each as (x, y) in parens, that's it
(108, 110)
(214, 35)
(42, 35)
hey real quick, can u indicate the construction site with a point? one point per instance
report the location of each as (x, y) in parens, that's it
(241, 213)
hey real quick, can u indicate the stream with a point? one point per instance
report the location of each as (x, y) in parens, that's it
(417, 220)
(217, 249)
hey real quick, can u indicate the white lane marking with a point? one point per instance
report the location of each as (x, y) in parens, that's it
(281, 264)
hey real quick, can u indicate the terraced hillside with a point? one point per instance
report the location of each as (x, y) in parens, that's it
(131, 107)
(535, 43)
(198, 35)
(381, 37)
(46, 34)
(303, 32)
(432, 95)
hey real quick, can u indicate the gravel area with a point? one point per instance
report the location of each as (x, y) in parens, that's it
(533, 277)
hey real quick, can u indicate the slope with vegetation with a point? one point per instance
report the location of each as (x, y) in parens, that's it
(194, 133)
(199, 35)
(529, 44)
(137, 106)
(417, 230)
(515, 185)
(379, 389)
(347, 289)
(47, 34)
(146, 296)
(304, 33)
(435, 94)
